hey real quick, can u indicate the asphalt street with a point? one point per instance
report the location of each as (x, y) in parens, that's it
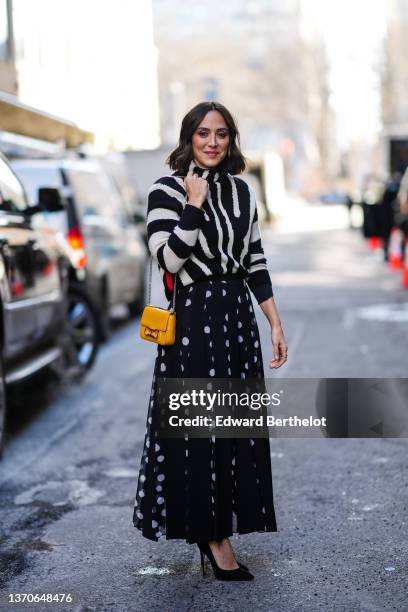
(69, 472)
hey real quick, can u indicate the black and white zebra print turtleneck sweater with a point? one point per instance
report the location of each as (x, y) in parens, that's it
(222, 237)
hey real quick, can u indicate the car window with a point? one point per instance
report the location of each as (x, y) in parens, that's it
(34, 178)
(12, 194)
(95, 195)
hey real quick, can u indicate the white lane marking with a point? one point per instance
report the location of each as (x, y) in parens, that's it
(154, 571)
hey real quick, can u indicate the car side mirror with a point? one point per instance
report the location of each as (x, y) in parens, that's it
(50, 199)
(138, 217)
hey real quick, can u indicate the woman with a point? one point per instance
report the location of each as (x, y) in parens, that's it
(202, 227)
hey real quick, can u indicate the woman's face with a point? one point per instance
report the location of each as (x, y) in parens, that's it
(211, 140)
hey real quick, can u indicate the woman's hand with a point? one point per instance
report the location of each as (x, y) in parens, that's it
(280, 348)
(197, 189)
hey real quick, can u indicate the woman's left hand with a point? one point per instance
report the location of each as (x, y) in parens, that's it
(280, 348)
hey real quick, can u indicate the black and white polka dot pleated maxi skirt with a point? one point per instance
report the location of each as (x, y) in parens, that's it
(209, 488)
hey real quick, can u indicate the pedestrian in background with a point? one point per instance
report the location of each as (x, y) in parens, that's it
(402, 218)
(202, 226)
(389, 204)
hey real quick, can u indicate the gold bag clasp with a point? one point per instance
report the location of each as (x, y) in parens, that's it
(151, 333)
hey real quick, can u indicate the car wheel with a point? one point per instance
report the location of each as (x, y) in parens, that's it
(3, 407)
(81, 337)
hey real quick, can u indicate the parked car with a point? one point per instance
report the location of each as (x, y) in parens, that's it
(115, 165)
(98, 227)
(34, 279)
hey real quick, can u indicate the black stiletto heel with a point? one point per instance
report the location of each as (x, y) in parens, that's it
(241, 565)
(236, 574)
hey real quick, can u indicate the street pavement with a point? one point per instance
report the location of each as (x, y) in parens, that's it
(69, 471)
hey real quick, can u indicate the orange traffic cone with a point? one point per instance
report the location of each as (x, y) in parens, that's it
(374, 242)
(405, 270)
(394, 250)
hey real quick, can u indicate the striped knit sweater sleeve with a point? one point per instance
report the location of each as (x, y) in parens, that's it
(172, 224)
(259, 280)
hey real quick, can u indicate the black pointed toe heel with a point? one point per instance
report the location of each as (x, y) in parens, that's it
(236, 574)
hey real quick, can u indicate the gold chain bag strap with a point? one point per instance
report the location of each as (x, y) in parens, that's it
(158, 324)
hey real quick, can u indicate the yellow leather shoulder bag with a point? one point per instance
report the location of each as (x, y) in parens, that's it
(158, 324)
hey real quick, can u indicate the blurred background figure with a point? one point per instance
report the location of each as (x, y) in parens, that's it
(389, 210)
(349, 204)
(402, 213)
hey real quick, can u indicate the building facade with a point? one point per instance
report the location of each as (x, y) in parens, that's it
(93, 63)
(254, 58)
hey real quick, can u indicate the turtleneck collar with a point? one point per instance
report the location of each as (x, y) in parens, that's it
(210, 174)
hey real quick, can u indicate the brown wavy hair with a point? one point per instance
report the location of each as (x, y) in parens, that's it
(179, 159)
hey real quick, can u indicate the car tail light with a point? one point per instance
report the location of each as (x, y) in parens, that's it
(76, 242)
